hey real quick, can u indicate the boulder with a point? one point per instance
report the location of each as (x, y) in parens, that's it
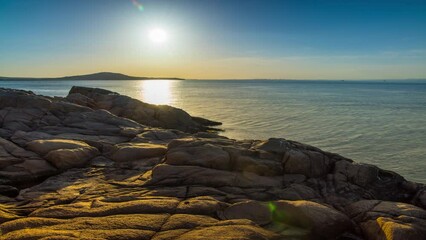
(64, 159)
(43, 147)
(313, 219)
(158, 135)
(258, 212)
(322, 221)
(135, 151)
(80, 99)
(207, 155)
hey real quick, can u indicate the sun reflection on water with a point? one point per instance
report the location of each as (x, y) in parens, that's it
(156, 91)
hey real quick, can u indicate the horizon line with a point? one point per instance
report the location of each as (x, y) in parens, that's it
(206, 79)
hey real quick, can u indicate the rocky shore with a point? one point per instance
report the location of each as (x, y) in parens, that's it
(100, 165)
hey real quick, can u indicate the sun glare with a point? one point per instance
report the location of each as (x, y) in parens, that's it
(156, 91)
(158, 35)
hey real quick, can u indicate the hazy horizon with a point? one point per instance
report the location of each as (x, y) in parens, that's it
(332, 40)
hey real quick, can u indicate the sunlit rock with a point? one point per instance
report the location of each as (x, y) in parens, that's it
(136, 151)
(389, 220)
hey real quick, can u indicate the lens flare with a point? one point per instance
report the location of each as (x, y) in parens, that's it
(278, 215)
(138, 5)
(272, 207)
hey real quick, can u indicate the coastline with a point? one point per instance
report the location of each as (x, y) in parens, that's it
(95, 151)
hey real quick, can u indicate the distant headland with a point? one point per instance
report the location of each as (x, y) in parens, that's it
(93, 76)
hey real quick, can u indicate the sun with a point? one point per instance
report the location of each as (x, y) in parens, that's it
(158, 35)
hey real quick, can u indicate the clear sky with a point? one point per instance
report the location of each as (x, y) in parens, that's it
(282, 39)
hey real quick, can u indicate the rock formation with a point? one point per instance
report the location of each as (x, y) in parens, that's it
(100, 165)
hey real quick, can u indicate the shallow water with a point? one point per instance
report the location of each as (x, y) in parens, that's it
(382, 123)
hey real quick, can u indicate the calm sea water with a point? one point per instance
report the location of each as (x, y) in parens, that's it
(382, 123)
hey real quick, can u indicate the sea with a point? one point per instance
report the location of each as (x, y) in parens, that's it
(375, 122)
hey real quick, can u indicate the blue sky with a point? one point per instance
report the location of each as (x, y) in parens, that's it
(215, 39)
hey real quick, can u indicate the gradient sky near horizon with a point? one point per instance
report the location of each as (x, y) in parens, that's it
(215, 39)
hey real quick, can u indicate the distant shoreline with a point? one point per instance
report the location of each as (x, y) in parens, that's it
(110, 76)
(101, 76)
(79, 79)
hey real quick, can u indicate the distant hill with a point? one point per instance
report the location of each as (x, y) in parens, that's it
(94, 76)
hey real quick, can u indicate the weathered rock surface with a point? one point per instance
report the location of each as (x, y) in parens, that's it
(144, 113)
(136, 151)
(99, 165)
(389, 220)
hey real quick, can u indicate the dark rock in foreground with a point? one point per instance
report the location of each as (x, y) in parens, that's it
(99, 165)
